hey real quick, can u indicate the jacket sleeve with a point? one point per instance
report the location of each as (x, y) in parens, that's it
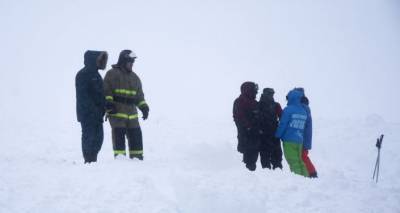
(84, 105)
(139, 100)
(283, 123)
(108, 87)
(278, 110)
(308, 131)
(239, 114)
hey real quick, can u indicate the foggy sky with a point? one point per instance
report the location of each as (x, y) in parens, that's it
(193, 55)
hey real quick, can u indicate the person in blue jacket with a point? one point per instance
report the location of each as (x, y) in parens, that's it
(90, 103)
(307, 143)
(291, 132)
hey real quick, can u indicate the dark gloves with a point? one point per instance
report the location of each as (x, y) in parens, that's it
(145, 111)
(110, 108)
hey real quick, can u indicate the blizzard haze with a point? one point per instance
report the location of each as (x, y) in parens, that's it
(193, 55)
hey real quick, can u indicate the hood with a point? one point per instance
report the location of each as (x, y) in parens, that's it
(91, 57)
(249, 89)
(268, 95)
(294, 97)
(304, 99)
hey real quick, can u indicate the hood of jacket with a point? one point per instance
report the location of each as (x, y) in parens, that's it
(267, 96)
(249, 89)
(91, 57)
(304, 99)
(294, 97)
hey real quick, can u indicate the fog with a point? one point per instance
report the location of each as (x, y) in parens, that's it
(193, 55)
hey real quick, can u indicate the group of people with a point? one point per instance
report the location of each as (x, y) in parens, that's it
(262, 125)
(116, 98)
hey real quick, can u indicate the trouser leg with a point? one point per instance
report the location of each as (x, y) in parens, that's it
(92, 139)
(118, 139)
(265, 163)
(309, 165)
(86, 137)
(241, 140)
(265, 153)
(293, 153)
(276, 154)
(98, 140)
(135, 142)
(250, 158)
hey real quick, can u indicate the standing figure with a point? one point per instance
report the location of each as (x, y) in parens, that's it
(291, 132)
(307, 143)
(245, 116)
(270, 148)
(124, 94)
(90, 104)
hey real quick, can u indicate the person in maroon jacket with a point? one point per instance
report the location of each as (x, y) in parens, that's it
(245, 112)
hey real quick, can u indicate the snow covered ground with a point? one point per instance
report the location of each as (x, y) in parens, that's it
(187, 171)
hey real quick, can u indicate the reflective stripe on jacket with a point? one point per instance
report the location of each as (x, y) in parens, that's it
(124, 89)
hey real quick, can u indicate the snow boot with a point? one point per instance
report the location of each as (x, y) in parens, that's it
(251, 167)
(313, 175)
(266, 166)
(138, 156)
(277, 165)
(119, 156)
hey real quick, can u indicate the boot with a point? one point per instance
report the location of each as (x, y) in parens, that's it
(138, 156)
(277, 165)
(266, 166)
(313, 175)
(119, 156)
(251, 167)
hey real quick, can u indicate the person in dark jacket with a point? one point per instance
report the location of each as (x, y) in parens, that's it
(270, 112)
(90, 103)
(291, 132)
(245, 114)
(307, 143)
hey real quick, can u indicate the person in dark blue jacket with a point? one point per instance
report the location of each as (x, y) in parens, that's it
(90, 103)
(291, 132)
(307, 143)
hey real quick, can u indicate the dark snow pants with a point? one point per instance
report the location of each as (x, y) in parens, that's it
(135, 141)
(271, 152)
(251, 151)
(242, 137)
(92, 140)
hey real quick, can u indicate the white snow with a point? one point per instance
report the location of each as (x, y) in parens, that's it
(192, 58)
(187, 171)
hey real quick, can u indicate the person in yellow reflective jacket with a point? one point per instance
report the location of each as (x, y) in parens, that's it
(124, 94)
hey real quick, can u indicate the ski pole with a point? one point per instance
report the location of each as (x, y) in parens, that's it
(377, 164)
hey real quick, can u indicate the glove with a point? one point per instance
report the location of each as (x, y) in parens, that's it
(145, 111)
(110, 108)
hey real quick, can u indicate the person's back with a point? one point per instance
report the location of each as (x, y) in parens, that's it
(307, 142)
(291, 131)
(270, 111)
